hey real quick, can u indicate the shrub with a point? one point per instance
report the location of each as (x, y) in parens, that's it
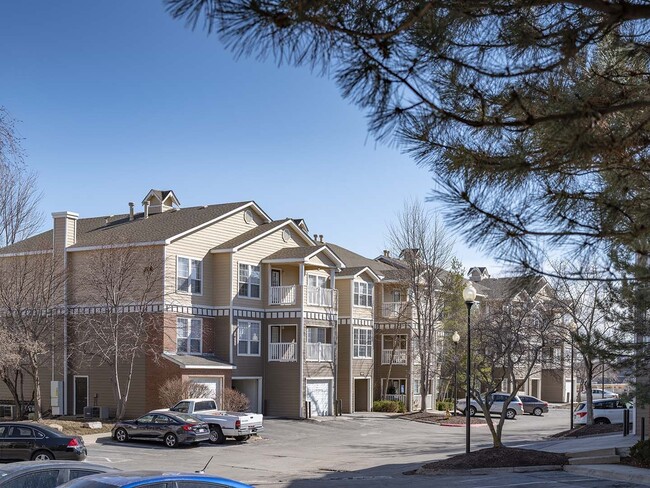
(174, 390)
(234, 401)
(445, 405)
(640, 452)
(388, 406)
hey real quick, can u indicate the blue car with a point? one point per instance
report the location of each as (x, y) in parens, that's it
(153, 479)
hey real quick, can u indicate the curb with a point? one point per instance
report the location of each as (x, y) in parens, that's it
(484, 471)
(461, 425)
(614, 472)
(90, 439)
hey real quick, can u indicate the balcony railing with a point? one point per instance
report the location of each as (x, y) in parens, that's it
(283, 295)
(319, 351)
(282, 351)
(395, 398)
(393, 310)
(398, 356)
(321, 297)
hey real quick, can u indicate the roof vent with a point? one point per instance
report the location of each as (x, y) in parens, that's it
(131, 211)
(386, 253)
(205, 206)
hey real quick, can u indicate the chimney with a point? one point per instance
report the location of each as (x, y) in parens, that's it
(65, 229)
(320, 238)
(386, 253)
(131, 211)
(146, 210)
(315, 237)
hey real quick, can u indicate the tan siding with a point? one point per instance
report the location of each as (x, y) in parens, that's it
(221, 279)
(345, 303)
(282, 389)
(344, 367)
(322, 260)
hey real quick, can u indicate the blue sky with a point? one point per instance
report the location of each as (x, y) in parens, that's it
(115, 98)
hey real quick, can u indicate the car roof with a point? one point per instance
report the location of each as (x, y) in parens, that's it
(46, 428)
(125, 478)
(24, 466)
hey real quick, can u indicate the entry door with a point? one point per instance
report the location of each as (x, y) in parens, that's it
(276, 277)
(80, 394)
(318, 393)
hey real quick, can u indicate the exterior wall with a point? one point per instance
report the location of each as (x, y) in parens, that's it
(552, 387)
(344, 288)
(344, 383)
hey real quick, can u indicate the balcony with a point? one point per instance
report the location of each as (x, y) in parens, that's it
(282, 351)
(321, 297)
(319, 352)
(282, 295)
(394, 398)
(393, 310)
(398, 356)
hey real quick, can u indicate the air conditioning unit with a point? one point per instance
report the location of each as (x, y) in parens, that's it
(96, 413)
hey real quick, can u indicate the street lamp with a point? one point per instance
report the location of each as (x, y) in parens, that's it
(572, 332)
(455, 338)
(469, 295)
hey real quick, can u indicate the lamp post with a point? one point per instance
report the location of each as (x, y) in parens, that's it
(455, 338)
(469, 295)
(572, 377)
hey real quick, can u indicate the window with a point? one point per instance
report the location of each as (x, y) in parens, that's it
(416, 387)
(316, 281)
(189, 275)
(316, 335)
(249, 281)
(248, 333)
(362, 343)
(363, 294)
(188, 335)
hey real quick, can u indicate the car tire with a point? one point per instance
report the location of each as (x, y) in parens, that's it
(216, 435)
(511, 413)
(472, 410)
(242, 438)
(121, 435)
(42, 456)
(537, 411)
(602, 421)
(170, 440)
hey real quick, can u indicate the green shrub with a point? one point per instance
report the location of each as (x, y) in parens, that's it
(444, 405)
(640, 452)
(388, 406)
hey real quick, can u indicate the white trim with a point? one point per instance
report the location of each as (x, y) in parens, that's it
(372, 294)
(74, 392)
(372, 342)
(26, 253)
(260, 380)
(117, 246)
(189, 288)
(189, 331)
(262, 235)
(259, 324)
(330, 380)
(184, 366)
(249, 297)
(368, 270)
(66, 214)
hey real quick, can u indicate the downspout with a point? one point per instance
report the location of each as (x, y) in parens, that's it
(65, 332)
(301, 279)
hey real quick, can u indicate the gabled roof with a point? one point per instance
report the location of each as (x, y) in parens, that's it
(356, 271)
(509, 288)
(161, 195)
(302, 254)
(354, 260)
(257, 233)
(159, 228)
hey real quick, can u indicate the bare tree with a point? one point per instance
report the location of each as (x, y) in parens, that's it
(174, 390)
(11, 372)
(426, 251)
(30, 292)
(124, 283)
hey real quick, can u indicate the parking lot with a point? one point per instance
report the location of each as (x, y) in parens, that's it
(358, 450)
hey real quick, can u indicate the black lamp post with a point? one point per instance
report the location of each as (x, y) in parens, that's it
(469, 295)
(572, 377)
(455, 338)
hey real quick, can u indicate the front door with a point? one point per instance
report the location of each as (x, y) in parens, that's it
(80, 394)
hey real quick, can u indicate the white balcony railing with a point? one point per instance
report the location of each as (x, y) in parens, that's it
(395, 398)
(283, 295)
(393, 310)
(319, 351)
(282, 351)
(398, 356)
(321, 297)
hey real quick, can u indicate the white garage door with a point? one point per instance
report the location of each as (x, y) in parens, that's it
(319, 393)
(214, 384)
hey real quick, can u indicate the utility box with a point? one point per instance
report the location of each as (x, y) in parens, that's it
(96, 413)
(56, 397)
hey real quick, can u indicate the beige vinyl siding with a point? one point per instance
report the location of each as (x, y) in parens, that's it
(364, 312)
(345, 297)
(318, 370)
(59, 234)
(344, 378)
(282, 389)
(221, 277)
(222, 338)
(323, 261)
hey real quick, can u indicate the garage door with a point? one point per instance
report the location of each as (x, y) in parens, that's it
(319, 393)
(214, 384)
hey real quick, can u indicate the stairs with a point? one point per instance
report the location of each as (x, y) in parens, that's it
(594, 456)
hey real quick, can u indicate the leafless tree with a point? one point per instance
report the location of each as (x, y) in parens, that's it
(426, 251)
(30, 292)
(11, 372)
(174, 390)
(124, 283)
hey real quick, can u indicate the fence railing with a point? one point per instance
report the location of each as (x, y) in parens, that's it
(282, 295)
(282, 351)
(399, 356)
(318, 351)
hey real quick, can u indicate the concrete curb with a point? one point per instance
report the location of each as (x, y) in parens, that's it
(614, 472)
(443, 424)
(90, 439)
(484, 471)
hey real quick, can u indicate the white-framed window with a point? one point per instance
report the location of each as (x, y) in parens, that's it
(363, 294)
(362, 343)
(248, 338)
(189, 275)
(316, 281)
(316, 335)
(189, 335)
(416, 387)
(249, 281)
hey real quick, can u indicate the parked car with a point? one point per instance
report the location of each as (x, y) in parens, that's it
(170, 427)
(533, 406)
(605, 412)
(600, 394)
(25, 441)
(497, 404)
(153, 479)
(46, 474)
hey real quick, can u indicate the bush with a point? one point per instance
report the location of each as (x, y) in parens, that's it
(445, 405)
(234, 401)
(640, 452)
(388, 406)
(174, 390)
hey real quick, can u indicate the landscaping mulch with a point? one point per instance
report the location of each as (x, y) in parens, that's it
(498, 457)
(629, 461)
(437, 418)
(587, 430)
(73, 427)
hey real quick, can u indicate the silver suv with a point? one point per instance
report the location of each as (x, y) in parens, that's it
(497, 404)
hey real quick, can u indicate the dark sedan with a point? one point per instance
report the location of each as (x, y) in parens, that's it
(24, 441)
(46, 474)
(533, 406)
(171, 428)
(154, 479)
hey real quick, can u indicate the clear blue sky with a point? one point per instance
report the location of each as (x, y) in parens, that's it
(115, 98)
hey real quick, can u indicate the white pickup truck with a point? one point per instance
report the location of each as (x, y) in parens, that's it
(222, 424)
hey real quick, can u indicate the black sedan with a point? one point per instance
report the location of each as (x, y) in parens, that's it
(24, 441)
(46, 474)
(533, 406)
(171, 428)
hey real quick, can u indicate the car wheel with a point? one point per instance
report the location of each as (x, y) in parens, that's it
(171, 440)
(511, 414)
(42, 456)
(601, 421)
(472, 410)
(242, 438)
(537, 412)
(121, 435)
(216, 435)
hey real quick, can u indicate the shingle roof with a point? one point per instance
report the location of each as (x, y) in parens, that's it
(354, 260)
(294, 252)
(506, 288)
(189, 360)
(119, 229)
(251, 234)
